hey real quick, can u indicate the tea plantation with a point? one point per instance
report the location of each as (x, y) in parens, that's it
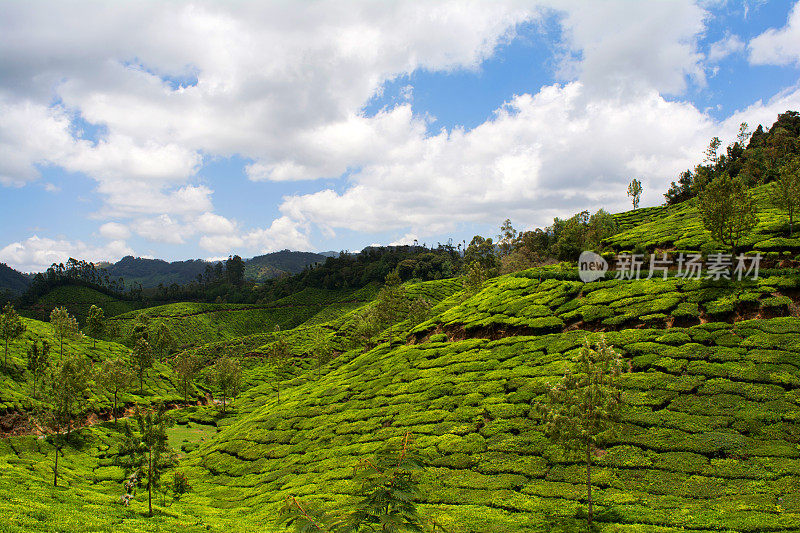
(707, 441)
(678, 227)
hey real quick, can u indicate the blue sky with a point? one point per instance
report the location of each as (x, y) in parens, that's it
(211, 129)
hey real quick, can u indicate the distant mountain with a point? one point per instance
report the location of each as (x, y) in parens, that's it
(329, 254)
(11, 280)
(151, 272)
(275, 264)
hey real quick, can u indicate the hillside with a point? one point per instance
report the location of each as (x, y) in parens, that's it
(678, 227)
(15, 386)
(11, 280)
(152, 272)
(707, 441)
(268, 266)
(192, 324)
(78, 300)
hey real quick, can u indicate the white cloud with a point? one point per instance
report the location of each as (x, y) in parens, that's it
(283, 85)
(214, 224)
(162, 229)
(36, 254)
(721, 49)
(281, 234)
(115, 231)
(778, 47)
(50, 187)
(626, 46)
(540, 156)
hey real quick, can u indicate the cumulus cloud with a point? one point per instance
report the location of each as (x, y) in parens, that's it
(283, 86)
(721, 49)
(778, 47)
(35, 254)
(539, 155)
(115, 231)
(162, 229)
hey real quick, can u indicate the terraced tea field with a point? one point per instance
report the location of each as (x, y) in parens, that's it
(708, 439)
(679, 228)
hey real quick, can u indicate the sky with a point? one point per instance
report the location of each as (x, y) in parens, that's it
(183, 130)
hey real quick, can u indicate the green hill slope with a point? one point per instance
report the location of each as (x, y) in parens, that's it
(11, 280)
(708, 439)
(78, 300)
(679, 227)
(200, 323)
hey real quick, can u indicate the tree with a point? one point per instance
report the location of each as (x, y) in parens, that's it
(482, 251)
(581, 410)
(144, 454)
(711, 152)
(114, 377)
(366, 327)
(95, 324)
(142, 359)
(387, 485)
(164, 341)
(507, 238)
(64, 394)
(234, 269)
(64, 327)
(11, 327)
(228, 378)
(728, 210)
(635, 192)
(38, 361)
(141, 329)
(186, 366)
(279, 357)
(785, 191)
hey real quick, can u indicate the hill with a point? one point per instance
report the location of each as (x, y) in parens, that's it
(78, 299)
(152, 272)
(192, 324)
(275, 264)
(12, 281)
(707, 440)
(679, 227)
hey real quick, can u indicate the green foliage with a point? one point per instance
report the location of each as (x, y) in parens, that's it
(164, 341)
(585, 404)
(785, 192)
(228, 378)
(65, 388)
(38, 362)
(142, 359)
(186, 366)
(635, 192)
(64, 326)
(144, 453)
(114, 377)
(11, 327)
(95, 323)
(388, 487)
(728, 210)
